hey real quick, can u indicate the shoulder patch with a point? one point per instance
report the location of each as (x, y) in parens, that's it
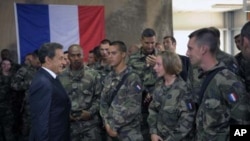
(232, 97)
(190, 105)
(137, 87)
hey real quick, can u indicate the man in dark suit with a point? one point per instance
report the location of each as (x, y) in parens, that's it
(49, 102)
(169, 43)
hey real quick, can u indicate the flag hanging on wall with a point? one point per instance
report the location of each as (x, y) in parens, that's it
(64, 24)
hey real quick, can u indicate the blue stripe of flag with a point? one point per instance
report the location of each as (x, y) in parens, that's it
(33, 26)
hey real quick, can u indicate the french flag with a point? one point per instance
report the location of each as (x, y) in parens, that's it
(232, 97)
(64, 24)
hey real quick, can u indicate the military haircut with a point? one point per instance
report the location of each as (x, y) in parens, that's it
(48, 50)
(171, 62)
(216, 31)
(65, 52)
(206, 36)
(171, 38)
(106, 41)
(74, 45)
(121, 45)
(148, 32)
(96, 52)
(35, 53)
(5, 53)
(236, 36)
(245, 31)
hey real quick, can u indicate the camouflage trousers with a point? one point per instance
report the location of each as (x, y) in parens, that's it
(6, 125)
(145, 128)
(26, 124)
(81, 133)
(202, 136)
(130, 134)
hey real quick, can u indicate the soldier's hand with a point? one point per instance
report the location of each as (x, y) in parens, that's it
(111, 132)
(85, 115)
(155, 137)
(148, 98)
(151, 59)
(72, 118)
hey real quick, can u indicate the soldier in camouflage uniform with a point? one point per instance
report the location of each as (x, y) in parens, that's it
(20, 84)
(171, 112)
(223, 101)
(102, 65)
(6, 115)
(142, 62)
(120, 106)
(228, 60)
(237, 42)
(83, 87)
(245, 49)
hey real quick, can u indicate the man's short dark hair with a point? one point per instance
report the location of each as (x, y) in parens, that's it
(121, 45)
(206, 36)
(245, 31)
(105, 41)
(48, 50)
(171, 38)
(148, 32)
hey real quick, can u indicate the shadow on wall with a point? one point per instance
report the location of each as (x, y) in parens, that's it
(164, 23)
(127, 22)
(13, 50)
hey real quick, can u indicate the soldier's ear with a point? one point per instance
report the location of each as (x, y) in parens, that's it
(124, 54)
(204, 49)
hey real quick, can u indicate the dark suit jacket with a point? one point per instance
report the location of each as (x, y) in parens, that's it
(50, 109)
(185, 67)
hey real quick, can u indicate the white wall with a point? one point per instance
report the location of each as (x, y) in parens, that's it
(240, 18)
(195, 20)
(186, 22)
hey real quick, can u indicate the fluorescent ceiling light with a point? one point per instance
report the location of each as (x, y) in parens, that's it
(234, 6)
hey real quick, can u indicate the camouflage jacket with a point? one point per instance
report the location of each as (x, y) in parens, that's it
(172, 111)
(245, 72)
(122, 110)
(224, 102)
(102, 70)
(138, 62)
(22, 79)
(84, 88)
(5, 92)
(229, 60)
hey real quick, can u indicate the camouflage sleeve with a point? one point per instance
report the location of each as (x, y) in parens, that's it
(19, 82)
(186, 113)
(190, 78)
(153, 109)
(126, 105)
(94, 109)
(104, 105)
(234, 92)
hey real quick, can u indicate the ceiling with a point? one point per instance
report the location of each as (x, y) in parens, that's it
(206, 5)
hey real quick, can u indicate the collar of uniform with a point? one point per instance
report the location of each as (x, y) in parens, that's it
(120, 75)
(142, 52)
(71, 73)
(204, 73)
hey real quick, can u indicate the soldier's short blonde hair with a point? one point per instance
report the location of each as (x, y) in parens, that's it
(171, 62)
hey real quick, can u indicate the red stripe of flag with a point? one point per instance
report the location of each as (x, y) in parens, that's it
(91, 27)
